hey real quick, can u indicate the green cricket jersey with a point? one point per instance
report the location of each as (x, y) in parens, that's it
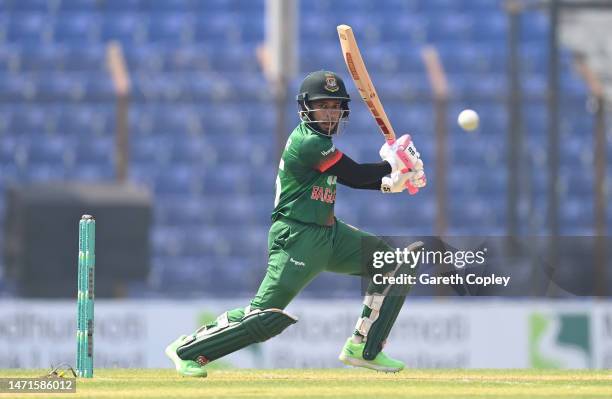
(304, 191)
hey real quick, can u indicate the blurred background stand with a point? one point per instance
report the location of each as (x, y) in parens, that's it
(279, 60)
(41, 245)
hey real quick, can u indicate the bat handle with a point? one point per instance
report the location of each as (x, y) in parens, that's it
(408, 165)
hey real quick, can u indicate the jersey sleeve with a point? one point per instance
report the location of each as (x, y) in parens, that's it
(319, 153)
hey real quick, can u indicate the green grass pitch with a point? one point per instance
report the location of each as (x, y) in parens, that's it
(337, 383)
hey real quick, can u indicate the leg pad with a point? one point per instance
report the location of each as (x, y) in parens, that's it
(208, 344)
(384, 309)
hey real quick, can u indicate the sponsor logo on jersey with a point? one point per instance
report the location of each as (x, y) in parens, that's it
(323, 194)
(297, 262)
(327, 152)
(330, 83)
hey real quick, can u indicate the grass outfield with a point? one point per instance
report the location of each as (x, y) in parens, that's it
(337, 383)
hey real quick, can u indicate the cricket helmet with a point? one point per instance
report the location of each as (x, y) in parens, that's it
(322, 85)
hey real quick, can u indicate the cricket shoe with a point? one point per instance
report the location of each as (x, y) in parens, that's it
(352, 355)
(186, 368)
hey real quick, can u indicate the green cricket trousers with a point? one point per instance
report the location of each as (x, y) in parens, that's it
(298, 252)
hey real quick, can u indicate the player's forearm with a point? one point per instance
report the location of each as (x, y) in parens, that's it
(355, 175)
(369, 186)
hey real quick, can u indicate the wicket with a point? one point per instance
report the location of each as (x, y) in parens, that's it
(85, 296)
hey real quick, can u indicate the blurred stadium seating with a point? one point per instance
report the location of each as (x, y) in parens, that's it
(202, 122)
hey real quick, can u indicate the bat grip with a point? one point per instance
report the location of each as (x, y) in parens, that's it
(408, 166)
(411, 188)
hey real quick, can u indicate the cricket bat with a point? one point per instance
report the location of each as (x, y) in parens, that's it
(359, 73)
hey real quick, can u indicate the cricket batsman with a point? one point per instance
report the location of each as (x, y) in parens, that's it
(306, 238)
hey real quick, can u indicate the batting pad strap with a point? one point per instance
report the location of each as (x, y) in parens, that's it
(374, 303)
(223, 320)
(257, 326)
(363, 326)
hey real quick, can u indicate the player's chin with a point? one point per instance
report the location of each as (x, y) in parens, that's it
(328, 126)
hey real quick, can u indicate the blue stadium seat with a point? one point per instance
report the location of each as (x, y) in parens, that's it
(252, 27)
(111, 6)
(535, 25)
(413, 118)
(25, 121)
(438, 6)
(574, 86)
(97, 151)
(188, 150)
(41, 58)
(492, 26)
(90, 57)
(169, 6)
(84, 120)
(201, 87)
(147, 57)
(239, 58)
(147, 150)
(75, 27)
(202, 241)
(176, 180)
(316, 27)
(127, 28)
(249, 87)
(188, 271)
(222, 28)
(9, 148)
(31, 27)
(466, 85)
(469, 211)
(453, 27)
(45, 172)
(408, 29)
(5, 116)
(38, 6)
(187, 211)
(315, 56)
(188, 57)
(534, 86)
(576, 180)
(10, 56)
(576, 215)
(83, 5)
(221, 119)
(59, 86)
(171, 27)
(246, 241)
(248, 210)
(235, 179)
(16, 87)
(53, 151)
(252, 211)
(472, 58)
(92, 172)
(389, 211)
